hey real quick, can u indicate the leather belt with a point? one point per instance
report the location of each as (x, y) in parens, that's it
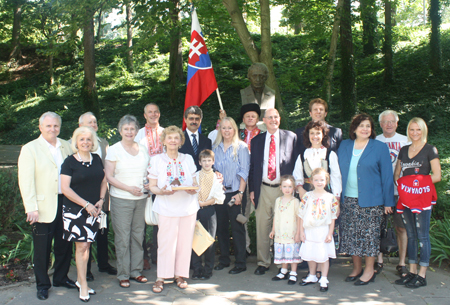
(271, 185)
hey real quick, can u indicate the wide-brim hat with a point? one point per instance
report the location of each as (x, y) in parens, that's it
(250, 107)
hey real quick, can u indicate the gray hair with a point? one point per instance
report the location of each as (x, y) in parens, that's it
(260, 66)
(128, 119)
(50, 114)
(151, 104)
(81, 118)
(193, 110)
(388, 112)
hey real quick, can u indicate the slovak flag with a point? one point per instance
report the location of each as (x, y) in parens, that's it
(201, 81)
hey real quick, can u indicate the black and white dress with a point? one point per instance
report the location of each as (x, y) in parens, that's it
(86, 183)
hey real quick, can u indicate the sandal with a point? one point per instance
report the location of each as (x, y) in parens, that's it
(181, 283)
(158, 287)
(401, 270)
(124, 283)
(140, 279)
(292, 279)
(378, 267)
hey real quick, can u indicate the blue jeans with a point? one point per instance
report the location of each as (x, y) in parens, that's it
(418, 230)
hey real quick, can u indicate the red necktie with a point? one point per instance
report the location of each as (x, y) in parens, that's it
(272, 171)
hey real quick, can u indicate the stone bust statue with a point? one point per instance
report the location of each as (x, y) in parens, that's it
(258, 92)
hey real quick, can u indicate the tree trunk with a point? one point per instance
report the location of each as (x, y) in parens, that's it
(348, 87)
(332, 53)
(50, 66)
(175, 52)
(73, 36)
(15, 54)
(265, 54)
(388, 54)
(89, 90)
(99, 27)
(435, 37)
(369, 20)
(129, 39)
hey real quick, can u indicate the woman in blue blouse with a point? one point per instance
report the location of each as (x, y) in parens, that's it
(368, 192)
(233, 161)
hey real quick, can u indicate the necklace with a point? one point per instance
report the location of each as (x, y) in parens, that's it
(362, 150)
(84, 163)
(414, 149)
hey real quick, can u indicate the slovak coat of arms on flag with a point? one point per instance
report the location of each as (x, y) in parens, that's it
(201, 81)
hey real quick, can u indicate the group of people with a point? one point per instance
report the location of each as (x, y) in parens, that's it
(298, 183)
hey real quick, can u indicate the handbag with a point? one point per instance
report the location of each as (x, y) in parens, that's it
(103, 221)
(151, 218)
(388, 242)
(202, 239)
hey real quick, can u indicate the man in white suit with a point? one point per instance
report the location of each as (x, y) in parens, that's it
(39, 181)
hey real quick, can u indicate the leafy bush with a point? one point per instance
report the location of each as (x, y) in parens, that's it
(440, 240)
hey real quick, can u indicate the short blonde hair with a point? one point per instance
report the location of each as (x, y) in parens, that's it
(170, 130)
(82, 130)
(423, 127)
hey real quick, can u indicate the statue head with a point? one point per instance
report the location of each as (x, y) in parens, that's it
(258, 74)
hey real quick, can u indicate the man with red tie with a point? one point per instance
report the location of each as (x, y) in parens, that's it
(278, 159)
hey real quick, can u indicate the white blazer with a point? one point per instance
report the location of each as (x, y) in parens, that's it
(38, 178)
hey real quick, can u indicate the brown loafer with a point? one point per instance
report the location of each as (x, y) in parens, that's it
(124, 283)
(140, 279)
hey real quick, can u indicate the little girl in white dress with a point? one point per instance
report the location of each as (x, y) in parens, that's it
(318, 211)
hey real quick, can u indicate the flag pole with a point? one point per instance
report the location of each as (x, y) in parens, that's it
(218, 97)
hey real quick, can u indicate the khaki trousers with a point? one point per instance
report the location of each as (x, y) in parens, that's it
(264, 221)
(127, 217)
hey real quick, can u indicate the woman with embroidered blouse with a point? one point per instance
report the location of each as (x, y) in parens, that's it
(318, 154)
(176, 209)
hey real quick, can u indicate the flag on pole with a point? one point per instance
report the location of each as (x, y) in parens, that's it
(201, 81)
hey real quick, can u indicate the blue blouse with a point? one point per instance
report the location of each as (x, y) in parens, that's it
(232, 167)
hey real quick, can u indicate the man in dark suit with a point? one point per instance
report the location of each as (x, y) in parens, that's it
(194, 142)
(318, 110)
(88, 119)
(273, 156)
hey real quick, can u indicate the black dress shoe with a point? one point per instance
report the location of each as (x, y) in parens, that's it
(89, 276)
(197, 275)
(261, 270)
(323, 289)
(220, 266)
(68, 284)
(42, 294)
(303, 283)
(277, 278)
(206, 276)
(110, 270)
(237, 270)
(417, 282)
(353, 278)
(405, 279)
(362, 283)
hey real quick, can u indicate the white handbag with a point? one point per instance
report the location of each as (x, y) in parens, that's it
(151, 218)
(103, 220)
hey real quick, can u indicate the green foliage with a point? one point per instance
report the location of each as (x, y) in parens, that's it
(440, 240)
(11, 208)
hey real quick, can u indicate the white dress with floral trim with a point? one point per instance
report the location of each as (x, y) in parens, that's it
(317, 214)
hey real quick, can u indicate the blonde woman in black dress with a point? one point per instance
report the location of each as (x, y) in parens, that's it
(83, 184)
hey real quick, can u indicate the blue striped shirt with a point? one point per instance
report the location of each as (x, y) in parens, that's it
(232, 168)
